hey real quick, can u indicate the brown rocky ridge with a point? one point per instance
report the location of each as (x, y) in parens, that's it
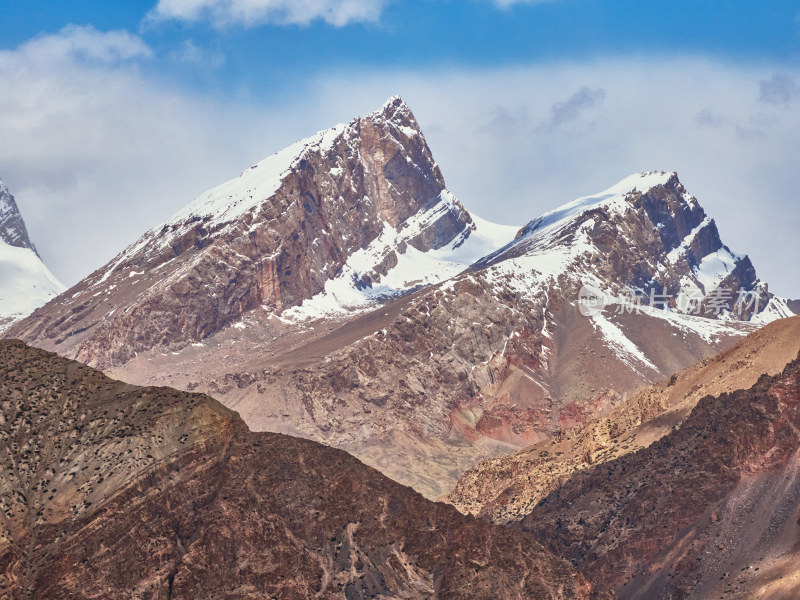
(505, 489)
(710, 510)
(333, 304)
(109, 490)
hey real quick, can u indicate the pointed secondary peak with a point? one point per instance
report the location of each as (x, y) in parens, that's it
(393, 105)
(12, 228)
(396, 112)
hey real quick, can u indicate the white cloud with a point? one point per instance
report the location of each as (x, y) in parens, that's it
(81, 43)
(224, 13)
(779, 89)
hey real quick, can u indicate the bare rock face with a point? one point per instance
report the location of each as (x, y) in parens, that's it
(271, 239)
(116, 491)
(12, 228)
(506, 489)
(709, 510)
(650, 236)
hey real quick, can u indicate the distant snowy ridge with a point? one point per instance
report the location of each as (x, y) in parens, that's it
(25, 282)
(560, 241)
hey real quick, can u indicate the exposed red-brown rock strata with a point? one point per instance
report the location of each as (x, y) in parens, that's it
(698, 514)
(505, 489)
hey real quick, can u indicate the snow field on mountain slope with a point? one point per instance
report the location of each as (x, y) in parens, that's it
(414, 268)
(25, 282)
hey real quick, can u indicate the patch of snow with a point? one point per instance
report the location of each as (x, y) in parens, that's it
(620, 344)
(25, 283)
(714, 268)
(777, 308)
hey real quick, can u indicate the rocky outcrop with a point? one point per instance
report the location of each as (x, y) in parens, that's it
(111, 490)
(12, 228)
(700, 512)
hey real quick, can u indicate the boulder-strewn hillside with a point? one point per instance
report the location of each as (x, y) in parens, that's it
(25, 282)
(708, 511)
(505, 489)
(108, 490)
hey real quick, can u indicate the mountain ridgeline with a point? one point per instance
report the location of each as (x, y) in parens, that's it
(338, 291)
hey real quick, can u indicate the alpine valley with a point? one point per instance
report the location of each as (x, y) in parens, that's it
(264, 395)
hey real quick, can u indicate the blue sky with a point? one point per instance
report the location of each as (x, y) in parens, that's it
(261, 53)
(116, 114)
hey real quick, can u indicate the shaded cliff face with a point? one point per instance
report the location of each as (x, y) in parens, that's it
(506, 489)
(110, 489)
(12, 228)
(710, 509)
(270, 239)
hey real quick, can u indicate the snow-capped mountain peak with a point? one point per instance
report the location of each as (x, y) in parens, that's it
(615, 198)
(233, 199)
(643, 237)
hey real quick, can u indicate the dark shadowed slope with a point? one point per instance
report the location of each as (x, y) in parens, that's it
(108, 490)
